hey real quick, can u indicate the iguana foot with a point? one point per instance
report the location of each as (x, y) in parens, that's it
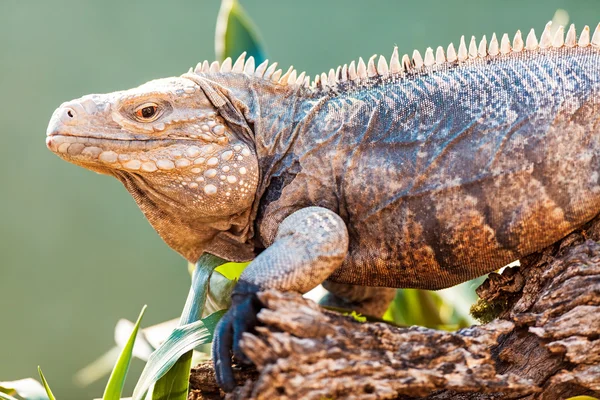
(240, 318)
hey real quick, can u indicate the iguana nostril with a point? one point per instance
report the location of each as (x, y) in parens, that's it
(70, 113)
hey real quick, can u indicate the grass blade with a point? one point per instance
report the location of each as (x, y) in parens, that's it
(236, 33)
(191, 333)
(183, 339)
(114, 387)
(175, 383)
(46, 386)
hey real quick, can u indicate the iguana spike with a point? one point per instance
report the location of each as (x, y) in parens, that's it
(249, 66)
(317, 81)
(571, 39)
(198, 68)
(300, 79)
(371, 70)
(285, 78)
(584, 38)
(214, 67)
(292, 78)
(417, 59)
(505, 44)
(331, 78)
(440, 57)
(239, 63)
(532, 43)
(596, 37)
(276, 76)
(462, 49)
(361, 69)
(323, 80)
(382, 66)
(344, 76)
(546, 38)
(494, 49)
(559, 37)
(518, 42)
(395, 66)
(451, 53)
(307, 81)
(205, 66)
(482, 50)
(352, 71)
(473, 48)
(260, 70)
(429, 59)
(269, 72)
(406, 63)
(226, 65)
(338, 72)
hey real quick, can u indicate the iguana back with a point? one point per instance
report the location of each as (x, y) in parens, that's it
(447, 174)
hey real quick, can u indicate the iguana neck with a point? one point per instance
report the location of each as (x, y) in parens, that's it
(264, 114)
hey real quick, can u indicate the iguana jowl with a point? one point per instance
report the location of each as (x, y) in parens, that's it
(418, 173)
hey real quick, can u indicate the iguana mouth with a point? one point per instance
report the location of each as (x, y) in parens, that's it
(147, 155)
(75, 145)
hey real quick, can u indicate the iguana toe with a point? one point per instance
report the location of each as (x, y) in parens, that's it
(241, 318)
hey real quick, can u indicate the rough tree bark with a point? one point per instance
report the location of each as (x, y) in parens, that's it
(543, 344)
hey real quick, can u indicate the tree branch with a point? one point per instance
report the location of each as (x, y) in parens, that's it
(543, 343)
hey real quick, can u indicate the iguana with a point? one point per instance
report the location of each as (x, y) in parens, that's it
(423, 172)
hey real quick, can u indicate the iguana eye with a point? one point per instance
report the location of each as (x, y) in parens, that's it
(147, 112)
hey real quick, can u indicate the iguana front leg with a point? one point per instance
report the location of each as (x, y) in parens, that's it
(309, 245)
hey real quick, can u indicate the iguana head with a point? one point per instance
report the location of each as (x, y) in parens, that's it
(189, 169)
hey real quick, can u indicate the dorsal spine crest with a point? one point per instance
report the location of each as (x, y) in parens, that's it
(400, 66)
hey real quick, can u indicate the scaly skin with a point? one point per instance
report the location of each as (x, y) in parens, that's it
(414, 174)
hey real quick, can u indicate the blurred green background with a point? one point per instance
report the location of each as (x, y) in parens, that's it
(66, 233)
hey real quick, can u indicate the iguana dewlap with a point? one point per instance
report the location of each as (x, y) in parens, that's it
(421, 172)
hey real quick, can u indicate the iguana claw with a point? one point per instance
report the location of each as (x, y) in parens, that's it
(241, 317)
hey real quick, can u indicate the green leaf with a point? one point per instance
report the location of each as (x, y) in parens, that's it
(181, 340)
(416, 307)
(114, 387)
(232, 270)
(447, 309)
(45, 383)
(194, 304)
(357, 316)
(191, 333)
(175, 383)
(236, 33)
(28, 389)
